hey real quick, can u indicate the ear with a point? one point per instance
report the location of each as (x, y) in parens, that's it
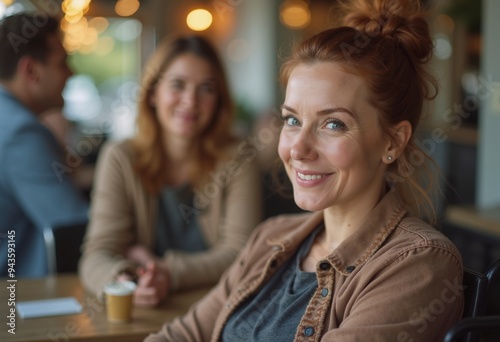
(27, 68)
(401, 133)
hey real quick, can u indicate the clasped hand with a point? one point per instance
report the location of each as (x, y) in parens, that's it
(153, 280)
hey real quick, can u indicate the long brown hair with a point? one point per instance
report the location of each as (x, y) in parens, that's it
(150, 157)
(387, 43)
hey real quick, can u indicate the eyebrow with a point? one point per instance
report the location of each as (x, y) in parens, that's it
(324, 111)
(177, 75)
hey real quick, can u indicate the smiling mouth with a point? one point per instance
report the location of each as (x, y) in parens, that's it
(310, 177)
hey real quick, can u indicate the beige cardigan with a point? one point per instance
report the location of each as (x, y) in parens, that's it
(123, 214)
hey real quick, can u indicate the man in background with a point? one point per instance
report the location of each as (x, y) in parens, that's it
(33, 194)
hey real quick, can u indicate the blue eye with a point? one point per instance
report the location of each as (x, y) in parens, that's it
(290, 120)
(335, 125)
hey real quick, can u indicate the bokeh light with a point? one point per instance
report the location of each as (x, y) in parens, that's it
(100, 24)
(199, 19)
(442, 47)
(126, 8)
(295, 14)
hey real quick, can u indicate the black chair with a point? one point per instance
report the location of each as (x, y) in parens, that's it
(493, 293)
(475, 287)
(63, 245)
(478, 302)
(473, 326)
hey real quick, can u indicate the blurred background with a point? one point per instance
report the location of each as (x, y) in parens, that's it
(109, 40)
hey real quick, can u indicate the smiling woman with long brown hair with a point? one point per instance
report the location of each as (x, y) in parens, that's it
(172, 207)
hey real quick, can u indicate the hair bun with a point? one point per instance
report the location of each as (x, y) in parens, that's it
(401, 20)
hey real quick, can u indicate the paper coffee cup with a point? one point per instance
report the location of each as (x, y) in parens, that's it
(119, 295)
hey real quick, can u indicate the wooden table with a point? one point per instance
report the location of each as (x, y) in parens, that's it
(476, 233)
(486, 221)
(91, 324)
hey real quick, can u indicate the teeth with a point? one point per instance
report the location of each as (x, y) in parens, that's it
(309, 177)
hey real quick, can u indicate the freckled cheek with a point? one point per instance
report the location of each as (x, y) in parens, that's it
(341, 155)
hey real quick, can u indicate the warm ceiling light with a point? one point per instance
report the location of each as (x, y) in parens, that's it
(126, 8)
(72, 7)
(199, 19)
(295, 14)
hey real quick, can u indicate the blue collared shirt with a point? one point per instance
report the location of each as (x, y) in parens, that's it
(35, 190)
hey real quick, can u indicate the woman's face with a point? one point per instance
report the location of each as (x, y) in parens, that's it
(331, 144)
(186, 97)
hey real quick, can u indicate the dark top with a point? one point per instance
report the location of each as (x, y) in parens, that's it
(274, 313)
(173, 229)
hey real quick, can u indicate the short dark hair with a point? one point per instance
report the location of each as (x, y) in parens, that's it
(24, 34)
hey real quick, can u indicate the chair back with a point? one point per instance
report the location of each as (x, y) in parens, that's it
(475, 286)
(63, 246)
(481, 293)
(493, 292)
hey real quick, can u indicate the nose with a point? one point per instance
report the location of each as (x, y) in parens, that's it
(189, 98)
(303, 146)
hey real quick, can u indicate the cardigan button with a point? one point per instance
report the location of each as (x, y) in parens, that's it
(309, 331)
(349, 269)
(324, 292)
(324, 266)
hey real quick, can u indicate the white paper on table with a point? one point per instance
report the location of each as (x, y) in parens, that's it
(48, 307)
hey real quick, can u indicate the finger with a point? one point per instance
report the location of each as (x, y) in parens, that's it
(146, 303)
(151, 267)
(146, 296)
(146, 279)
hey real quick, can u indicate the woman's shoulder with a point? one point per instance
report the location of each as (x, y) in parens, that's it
(237, 153)
(413, 235)
(422, 232)
(118, 148)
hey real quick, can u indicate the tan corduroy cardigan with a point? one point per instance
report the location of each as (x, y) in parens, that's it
(122, 214)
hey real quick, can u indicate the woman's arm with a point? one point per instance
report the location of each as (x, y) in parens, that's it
(110, 229)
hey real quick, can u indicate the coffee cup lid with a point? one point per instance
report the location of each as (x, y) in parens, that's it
(120, 288)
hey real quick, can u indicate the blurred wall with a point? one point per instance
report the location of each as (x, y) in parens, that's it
(488, 183)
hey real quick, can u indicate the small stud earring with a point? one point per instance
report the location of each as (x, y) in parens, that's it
(389, 158)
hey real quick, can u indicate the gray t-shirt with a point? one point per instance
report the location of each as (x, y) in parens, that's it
(173, 230)
(274, 313)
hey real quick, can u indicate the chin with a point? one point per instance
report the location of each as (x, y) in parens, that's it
(308, 205)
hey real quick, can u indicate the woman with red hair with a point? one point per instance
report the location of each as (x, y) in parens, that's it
(363, 265)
